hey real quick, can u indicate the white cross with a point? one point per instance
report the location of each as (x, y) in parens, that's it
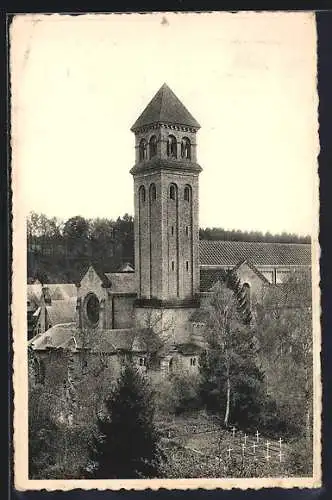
(254, 446)
(243, 448)
(245, 439)
(233, 431)
(280, 456)
(229, 452)
(257, 436)
(280, 441)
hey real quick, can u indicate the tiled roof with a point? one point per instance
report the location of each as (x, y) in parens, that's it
(61, 311)
(113, 340)
(188, 349)
(165, 107)
(57, 336)
(208, 277)
(287, 296)
(165, 164)
(69, 336)
(230, 253)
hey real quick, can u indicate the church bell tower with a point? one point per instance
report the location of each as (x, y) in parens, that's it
(166, 203)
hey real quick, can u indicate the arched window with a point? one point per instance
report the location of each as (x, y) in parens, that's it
(153, 146)
(171, 146)
(186, 193)
(153, 192)
(186, 148)
(170, 365)
(172, 192)
(246, 290)
(142, 150)
(141, 193)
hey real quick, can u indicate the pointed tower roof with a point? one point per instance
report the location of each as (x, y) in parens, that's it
(165, 107)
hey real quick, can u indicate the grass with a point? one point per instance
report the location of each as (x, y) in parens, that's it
(196, 447)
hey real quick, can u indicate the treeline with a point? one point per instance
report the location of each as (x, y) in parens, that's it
(60, 250)
(217, 233)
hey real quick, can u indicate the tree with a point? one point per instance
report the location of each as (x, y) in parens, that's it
(155, 334)
(231, 379)
(126, 445)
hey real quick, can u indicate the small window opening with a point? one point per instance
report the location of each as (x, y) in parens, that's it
(187, 265)
(142, 361)
(171, 146)
(153, 146)
(185, 148)
(172, 265)
(172, 192)
(187, 231)
(192, 361)
(186, 193)
(142, 150)
(172, 230)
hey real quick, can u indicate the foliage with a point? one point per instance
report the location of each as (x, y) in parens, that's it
(127, 443)
(300, 458)
(60, 251)
(216, 233)
(178, 394)
(63, 411)
(155, 333)
(284, 333)
(231, 381)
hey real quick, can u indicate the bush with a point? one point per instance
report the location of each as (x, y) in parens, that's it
(178, 394)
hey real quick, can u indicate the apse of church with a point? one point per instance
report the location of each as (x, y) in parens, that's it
(166, 191)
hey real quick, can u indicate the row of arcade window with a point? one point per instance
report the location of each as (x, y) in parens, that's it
(172, 148)
(172, 193)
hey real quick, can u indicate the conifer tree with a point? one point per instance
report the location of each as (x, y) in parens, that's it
(127, 442)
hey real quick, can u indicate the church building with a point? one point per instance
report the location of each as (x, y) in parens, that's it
(174, 272)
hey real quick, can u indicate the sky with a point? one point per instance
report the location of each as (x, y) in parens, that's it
(78, 84)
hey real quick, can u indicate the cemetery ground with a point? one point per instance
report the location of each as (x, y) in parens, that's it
(197, 446)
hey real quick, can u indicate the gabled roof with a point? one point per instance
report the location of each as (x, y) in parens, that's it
(253, 268)
(165, 107)
(230, 253)
(57, 336)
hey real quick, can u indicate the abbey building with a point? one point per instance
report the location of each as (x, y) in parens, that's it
(174, 273)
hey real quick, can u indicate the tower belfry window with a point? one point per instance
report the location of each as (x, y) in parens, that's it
(142, 150)
(171, 146)
(185, 148)
(153, 146)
